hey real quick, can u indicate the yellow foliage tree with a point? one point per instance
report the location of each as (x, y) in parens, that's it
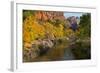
(49, 30)
(32, 30)
(68, 32)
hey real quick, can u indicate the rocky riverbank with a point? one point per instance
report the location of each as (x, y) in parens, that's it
(59, 49)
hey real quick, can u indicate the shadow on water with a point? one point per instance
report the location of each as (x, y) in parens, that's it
(65, 51)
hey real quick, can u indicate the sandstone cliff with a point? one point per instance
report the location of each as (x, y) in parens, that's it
(49, 15)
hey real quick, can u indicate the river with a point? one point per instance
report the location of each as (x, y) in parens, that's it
(65, 51)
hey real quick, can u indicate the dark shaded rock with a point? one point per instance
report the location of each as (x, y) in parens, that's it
(43, 50)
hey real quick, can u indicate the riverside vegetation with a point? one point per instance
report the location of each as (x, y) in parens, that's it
(49, 36)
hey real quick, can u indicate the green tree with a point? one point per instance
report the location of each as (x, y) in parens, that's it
(27, 13)
(85, 25)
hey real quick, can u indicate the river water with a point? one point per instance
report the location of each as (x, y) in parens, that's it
(64, 51)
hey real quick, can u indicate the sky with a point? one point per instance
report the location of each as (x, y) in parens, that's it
(69, 14)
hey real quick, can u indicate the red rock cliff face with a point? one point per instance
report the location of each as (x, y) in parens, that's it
(47, 15)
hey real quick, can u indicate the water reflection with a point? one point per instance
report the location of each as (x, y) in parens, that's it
(66, 51)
